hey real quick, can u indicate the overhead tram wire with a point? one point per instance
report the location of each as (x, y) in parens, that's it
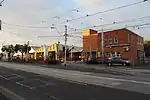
(114, 23)
(80, 37)
(116, 8)
(93, 26)
(130, 26)
(1, 2)
(32, 27)
(25, 26)
(82, 16)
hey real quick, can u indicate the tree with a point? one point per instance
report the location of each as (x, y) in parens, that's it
(1, 55)
(22, 48)
(147, 50)
(18, 48)
(26, 48)
(4, 48)
(9, 49)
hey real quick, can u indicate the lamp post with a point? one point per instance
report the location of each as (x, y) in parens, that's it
(72, 52)
(65, 62)
(58, 50)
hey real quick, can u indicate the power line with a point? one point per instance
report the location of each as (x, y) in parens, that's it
(69, 11)
(34, 27)
(131, 26)
(1, 2)
(48, 36)
(58, 31)
(143, 27)
(25, 26)
(116, 8)
(113, 23)
(94, 26)
(138, 25)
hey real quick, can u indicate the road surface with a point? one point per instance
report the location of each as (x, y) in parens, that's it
(82, 83)
(38, 87)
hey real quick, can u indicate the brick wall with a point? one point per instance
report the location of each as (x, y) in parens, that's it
(120, 39)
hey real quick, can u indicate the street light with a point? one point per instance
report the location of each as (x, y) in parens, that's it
(58, 50)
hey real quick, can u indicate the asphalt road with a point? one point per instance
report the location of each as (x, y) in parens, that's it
(39, 87)
(136, 83)
(2, 97)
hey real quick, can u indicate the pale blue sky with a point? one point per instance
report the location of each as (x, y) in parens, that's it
(41, 13)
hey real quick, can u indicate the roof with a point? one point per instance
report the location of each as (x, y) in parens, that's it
(35, 47)
(75, 49)
(119, 30)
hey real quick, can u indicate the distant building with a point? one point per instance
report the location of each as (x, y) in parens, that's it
(147, 48)
(147, 42)
(33, 51)
(117, 43)
(56, 52)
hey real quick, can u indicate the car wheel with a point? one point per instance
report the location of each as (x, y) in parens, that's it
(124, 64)
(109, 64)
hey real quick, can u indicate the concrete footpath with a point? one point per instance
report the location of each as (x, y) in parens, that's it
(142, 68)
(136, 84)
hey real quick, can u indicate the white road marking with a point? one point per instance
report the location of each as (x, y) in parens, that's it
(24, 85)
(45, 83)
(4, 77)
(14, 76)
(54, 98)
(115, 83)
(30, 87)
(121, 80)
(81, 83)
(80, 77)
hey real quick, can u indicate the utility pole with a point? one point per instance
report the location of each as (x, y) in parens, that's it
(28, 47)
(65, 45)
(27, 50)
(71, 52)
(102, 46)
(0, 25)
(58, 50)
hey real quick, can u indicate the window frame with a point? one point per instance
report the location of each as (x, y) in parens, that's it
(116, 38)
(110, 43)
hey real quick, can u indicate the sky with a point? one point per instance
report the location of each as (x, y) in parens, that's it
(42, 13)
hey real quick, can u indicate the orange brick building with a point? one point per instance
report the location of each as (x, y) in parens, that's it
(117, 43)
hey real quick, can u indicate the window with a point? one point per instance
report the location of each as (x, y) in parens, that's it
(128, 38)
(112, 54)
(107, 54)
(118, 54)
(110, 41)
(105, 42)
(126, 49)
(115, 40)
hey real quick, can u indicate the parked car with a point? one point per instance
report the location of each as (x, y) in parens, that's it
(95, 61)
(118, 61)
(92, 62)
(147, 60)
